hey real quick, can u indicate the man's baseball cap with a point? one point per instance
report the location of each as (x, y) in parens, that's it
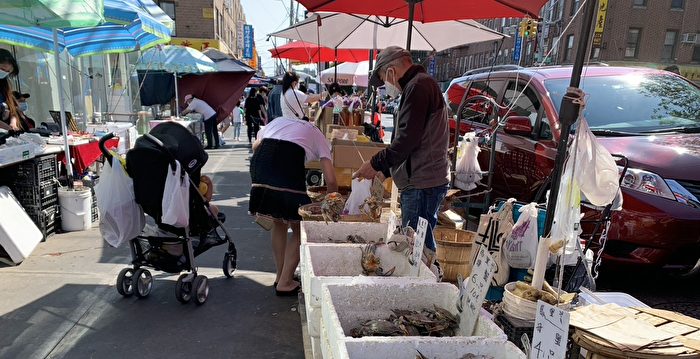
(188, 97)
(386, 56)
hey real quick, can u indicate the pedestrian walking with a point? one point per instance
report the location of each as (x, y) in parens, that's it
(253, 114)
(237, 120)
(279, 184)
(417, 156)
(209, 114)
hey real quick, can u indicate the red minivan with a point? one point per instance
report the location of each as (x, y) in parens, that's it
(651, 117)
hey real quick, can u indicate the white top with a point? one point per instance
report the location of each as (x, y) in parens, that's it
(303, 133)
(236, 114)
(201, 108)
(290, 105)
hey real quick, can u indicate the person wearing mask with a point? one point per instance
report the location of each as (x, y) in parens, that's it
(253, 114)
(294, 102)
(417, 156)
(25, 121)
(9, 112)
(209, 114)
(279, 182)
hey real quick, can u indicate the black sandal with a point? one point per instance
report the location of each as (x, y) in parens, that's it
(288, 293)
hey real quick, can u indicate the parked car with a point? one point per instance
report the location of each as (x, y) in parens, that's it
(650, 116)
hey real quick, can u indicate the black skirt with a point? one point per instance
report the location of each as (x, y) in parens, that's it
(279, 180)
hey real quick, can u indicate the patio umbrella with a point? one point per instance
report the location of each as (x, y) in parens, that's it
(176, 60)
(220, 90)
(425, 11)
(308, 53)
(345, 31)
(51, 13)
(226, 63)
(348, 74)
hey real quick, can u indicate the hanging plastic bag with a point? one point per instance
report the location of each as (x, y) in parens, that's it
(121, 218)
(521, 246)
(468, 171)
(596, 170)
(494, 228)
(360, 191)
(176, 198)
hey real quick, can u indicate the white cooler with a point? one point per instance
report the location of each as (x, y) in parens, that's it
(18, 233)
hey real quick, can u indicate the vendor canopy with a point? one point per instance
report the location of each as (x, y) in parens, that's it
(310, 52)
(344, 31)
(348, 74)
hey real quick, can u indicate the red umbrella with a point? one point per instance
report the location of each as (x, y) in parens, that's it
(309, 53)
(431, 10)
(221, 90)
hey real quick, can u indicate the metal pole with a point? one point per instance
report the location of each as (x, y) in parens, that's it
(61, 108)
(335, 71)
(411, 14)
(569, 111)
(177, 99)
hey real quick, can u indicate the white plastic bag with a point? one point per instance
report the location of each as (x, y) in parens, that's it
(595, 169)
(176, 198)
(360, 191)
(468, 171)
(521, 246)
(121, 218)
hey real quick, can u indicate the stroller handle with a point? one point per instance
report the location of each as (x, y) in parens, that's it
(103, 149)
(162, 147)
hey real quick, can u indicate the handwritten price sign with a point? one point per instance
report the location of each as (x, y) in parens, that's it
(551, 332)
(391, 227)
(477, 285)
(418, 244)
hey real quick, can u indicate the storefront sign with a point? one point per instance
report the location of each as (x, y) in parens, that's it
(600, 22)
(239, 36)
(432, 67)
(477, 285)
(248, 41)
(197, 44)
(551, 332)
(518, 48)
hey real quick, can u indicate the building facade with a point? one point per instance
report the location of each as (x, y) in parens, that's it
(207, 23)
(653, 33)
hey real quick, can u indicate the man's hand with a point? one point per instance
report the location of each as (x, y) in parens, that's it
(366, 171)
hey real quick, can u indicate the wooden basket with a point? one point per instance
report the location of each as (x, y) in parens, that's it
(454, 252)
(317, 193)
(312, 212)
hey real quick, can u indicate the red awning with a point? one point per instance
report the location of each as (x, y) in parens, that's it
(308, 53)
(432, 10)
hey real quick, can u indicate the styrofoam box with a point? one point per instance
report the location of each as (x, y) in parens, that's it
(346, 306)
(18, 233)
(316, 347)
(396, 348)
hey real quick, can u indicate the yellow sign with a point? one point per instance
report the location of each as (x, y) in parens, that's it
(254, 60)
(197, 44)
(600, 22)
(208, 12)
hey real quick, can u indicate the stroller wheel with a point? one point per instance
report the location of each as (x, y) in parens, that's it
(183, 290)
(200, 287)
(125, 284)
(143, 282)
(229, 265)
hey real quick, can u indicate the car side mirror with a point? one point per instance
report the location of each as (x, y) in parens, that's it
(518, 125)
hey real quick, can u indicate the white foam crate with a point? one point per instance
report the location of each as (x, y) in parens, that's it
(313, 319)
(346, 306)
(395, 348)
(316, 348)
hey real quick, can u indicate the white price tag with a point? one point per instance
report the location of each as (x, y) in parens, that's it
(419, 243)
(551, 332)
(391, 227)
(476, 286)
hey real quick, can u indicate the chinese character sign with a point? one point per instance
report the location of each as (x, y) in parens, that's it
(248, 41)
(432, 71)
(418, 244)
(551, 332)
(391, 227)
(477, 285)
(518, 48)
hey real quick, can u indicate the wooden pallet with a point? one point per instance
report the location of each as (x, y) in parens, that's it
(677, 335)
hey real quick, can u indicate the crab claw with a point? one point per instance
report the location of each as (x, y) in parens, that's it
(381, 272)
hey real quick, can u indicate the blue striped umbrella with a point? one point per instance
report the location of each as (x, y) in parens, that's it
(129, 25)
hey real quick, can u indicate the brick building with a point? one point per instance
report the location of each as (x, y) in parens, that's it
(654, 33)
(207, 23)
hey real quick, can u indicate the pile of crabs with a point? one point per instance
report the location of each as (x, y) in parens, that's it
(436, 322)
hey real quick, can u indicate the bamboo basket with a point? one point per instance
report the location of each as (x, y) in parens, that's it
(317, 193)
(454, 252)
(312, 212)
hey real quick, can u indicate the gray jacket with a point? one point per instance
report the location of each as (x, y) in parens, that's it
(417, 156)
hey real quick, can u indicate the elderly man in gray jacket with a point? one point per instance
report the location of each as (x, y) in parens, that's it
(417, 157)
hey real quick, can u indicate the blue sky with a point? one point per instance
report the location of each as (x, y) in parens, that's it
(267, 16)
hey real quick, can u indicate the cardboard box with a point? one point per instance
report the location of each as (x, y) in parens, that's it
(349, 154)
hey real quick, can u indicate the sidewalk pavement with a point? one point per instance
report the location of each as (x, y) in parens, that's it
(62, 303)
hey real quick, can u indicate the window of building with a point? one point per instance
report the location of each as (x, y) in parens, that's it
(168, 8)
(677, 4)
(574, 7)
(669, 49)
(639, 3)
(632, 48)
(696, 54)
(569, 48)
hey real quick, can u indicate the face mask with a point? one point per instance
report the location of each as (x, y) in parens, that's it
(3, 74)
(391, 90)
(23, 106)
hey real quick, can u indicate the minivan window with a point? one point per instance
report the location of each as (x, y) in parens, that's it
(636, 103)
(481, 110)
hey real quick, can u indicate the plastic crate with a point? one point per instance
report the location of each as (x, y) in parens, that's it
(38, 170)
(93, 206)
(37, 197)
(514, 329)
(47, 220)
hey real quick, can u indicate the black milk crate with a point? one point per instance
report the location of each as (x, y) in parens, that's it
(514, 329)
(47, 220)
(38, 170)
(38, 196)
(93, 208)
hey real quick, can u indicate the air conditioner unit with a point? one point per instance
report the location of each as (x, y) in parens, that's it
(689, 38)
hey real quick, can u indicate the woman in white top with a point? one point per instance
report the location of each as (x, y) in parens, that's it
(235, 119)
(279, 181)
(293, 101)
